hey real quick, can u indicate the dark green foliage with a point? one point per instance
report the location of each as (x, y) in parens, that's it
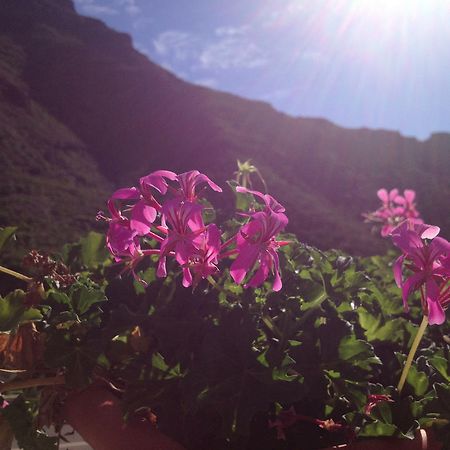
(21, 415)
(216, 366)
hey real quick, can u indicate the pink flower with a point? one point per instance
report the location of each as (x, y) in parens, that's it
(143, 213)
(429, 262)
(185, 224)
(257, 246)
(394, 209)
(123, 242)
(190, 180)
(156, 180)
(407, 205)
(165, 208)
(203, 260)
(121, 239)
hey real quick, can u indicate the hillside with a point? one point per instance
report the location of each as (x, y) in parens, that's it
(82, 108)
(50, 186)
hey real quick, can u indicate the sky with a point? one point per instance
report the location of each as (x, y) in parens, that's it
(358, 63)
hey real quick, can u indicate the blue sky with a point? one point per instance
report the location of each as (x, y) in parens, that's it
(358, 63)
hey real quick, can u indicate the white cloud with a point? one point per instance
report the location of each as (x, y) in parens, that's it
(130, 7)
(176, 44)
(231, 31)
(232, 52)
(90, 7)
(98, 7)
(229, 49)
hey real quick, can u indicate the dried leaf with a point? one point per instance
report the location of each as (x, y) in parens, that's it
(23, 349)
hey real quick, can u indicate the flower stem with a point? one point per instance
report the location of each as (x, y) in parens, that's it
(412, 352)
(15, 274)
(34, 382)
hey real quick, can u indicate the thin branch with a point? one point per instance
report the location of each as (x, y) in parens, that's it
(34, 382)
(13, 273)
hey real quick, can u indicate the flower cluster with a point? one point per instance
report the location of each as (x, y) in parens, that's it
(165, 210)
(428, 257)
(394, 209)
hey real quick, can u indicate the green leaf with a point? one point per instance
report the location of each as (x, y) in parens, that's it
(418, 381)
(84, 297)
(382, 412)
(31, 314)
(5, 235)
(378, 428)
(418, 407)
(59, 297)
(282, 373)
(357, 352)
(441, 365)
(13, 311)
(159, 363)
(149, 275)
(377, 328)
(93, 250)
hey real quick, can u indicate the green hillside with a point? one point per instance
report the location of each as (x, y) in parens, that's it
(50, 186)
(77, 92)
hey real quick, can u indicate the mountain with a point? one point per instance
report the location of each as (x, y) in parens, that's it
(82, 111)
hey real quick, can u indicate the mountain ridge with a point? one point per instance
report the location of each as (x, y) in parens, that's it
(132, 116)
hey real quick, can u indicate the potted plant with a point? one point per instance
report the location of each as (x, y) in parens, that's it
(216, 336)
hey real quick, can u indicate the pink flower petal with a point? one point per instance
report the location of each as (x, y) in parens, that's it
(277, 284)
(211, 184)
(397, 269)
(407, 240)
(383, 195)
(438, 248)
(161, 271)
(436, 315)
(261, 274)
(157, 180)
(409, 195)
(428, 231)
(393, 193)
(409, 286)
(142, 217)
(245, 261)
(125, 194)
(187, 277)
